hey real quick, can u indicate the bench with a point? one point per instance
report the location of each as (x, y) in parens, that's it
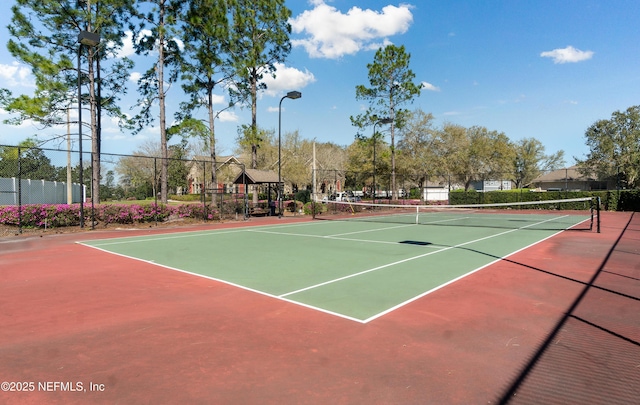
(258, 211)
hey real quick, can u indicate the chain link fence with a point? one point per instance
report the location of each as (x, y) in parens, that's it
(197, 188)
(208, 190)
(435, 187)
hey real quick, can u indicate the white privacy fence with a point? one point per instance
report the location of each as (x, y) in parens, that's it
(29, 191)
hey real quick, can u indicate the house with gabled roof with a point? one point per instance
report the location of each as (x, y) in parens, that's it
(227, 169)
(570, 179)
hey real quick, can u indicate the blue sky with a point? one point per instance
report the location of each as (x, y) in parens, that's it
(542, 69)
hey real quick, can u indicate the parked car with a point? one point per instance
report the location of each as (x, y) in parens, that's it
(327, 198)
(344, 196)
(388, 194)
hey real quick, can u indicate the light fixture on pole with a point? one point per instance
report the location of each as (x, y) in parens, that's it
(292, 95)
(380, 121)
(89, 39)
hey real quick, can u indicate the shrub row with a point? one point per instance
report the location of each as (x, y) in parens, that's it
(58, 215)
(623, 200)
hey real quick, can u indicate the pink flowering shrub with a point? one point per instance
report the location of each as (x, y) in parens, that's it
(58, 215)
(131, 214)
(41, 215)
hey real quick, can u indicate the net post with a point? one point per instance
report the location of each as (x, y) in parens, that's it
(417, 215)
(598, 213)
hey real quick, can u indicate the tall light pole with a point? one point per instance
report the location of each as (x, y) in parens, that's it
(88, 39)
(69, 180)
(292, 95)
(380, 121)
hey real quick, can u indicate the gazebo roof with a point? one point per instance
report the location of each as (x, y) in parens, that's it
(254, 176)
(569, 173)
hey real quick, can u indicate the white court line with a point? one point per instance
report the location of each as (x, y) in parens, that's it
(371, 230)
(417, 297)
(141, 239)
(445, 220)
(188, 234)
(283, 296)
(411, 258)
(304, 235)
(233, 284)
(336, 234)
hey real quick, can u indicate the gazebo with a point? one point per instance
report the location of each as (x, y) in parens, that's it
(259, 177)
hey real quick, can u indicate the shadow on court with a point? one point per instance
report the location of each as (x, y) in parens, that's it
(592, 355)
(555, 323)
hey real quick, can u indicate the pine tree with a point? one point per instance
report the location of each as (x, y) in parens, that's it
(157, 34)
(205, 67)
(260, 39)
(44, 35)
(392, 85)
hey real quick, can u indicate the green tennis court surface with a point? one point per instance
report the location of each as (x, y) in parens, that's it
(358, 270)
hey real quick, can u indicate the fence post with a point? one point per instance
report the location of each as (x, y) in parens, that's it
(93, 197)
(246, 194)
(19, 191)
(203, 196)
(155, 195)
(598, 213)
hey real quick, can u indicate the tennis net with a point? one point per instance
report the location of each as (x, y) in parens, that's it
(574, 213)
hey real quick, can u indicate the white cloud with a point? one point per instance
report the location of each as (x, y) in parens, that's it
(567, 55)
(228, 116)
(135, 76)
(429, 86)
(218, 99)
(331, 34)
(127, 43)
(111, 130)
(179, 42)
(127, 46)
(16, 74)
(374, 46)
(287, 79)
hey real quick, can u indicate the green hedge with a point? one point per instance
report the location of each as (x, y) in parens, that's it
(187, 197)
(623, 200)
(628, 200)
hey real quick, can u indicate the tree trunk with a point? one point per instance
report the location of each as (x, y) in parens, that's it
(95, 130)
(254, 129)
(164, 168)
(212, 141)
